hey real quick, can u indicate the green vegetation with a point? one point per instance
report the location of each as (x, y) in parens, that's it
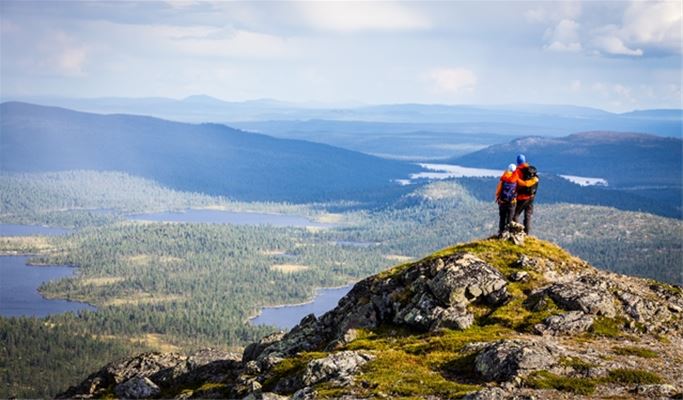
(160, 285)
(635, 351)
(33, 354)
(576, 364)
(627, 376)
(547, 380)
(395, 373)
(608, 327)
(291, 366)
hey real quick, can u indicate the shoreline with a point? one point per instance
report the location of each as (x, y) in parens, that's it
(42, 294)
(317, 290)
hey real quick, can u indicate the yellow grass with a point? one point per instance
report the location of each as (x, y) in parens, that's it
(152, 340)
(330, 218)
(141, 298)
(17, 244)
(289, 268)
(101, 281)
(398, 258)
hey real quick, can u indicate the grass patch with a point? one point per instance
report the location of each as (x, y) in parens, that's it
(635, 351)
(608, 327)
(576, 364)
(291, 366)
(627, 376)
(453, 341)
(501, 254)
(547, 380)
(395, 373)
(667, 288)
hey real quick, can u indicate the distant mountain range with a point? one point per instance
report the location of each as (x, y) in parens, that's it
(209, 158)
(415, 132)
(625, 160)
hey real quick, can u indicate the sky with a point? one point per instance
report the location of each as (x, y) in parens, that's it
(613, 55)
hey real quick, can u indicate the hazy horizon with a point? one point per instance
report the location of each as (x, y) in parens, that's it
(614, 56)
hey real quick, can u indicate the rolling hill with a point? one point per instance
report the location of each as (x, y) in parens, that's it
(208, 158)
(625, 160)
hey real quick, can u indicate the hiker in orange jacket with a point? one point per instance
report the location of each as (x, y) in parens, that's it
(506, 197)
(527, 184)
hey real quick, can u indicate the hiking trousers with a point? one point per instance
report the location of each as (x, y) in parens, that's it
(505, 211)
(526, 207)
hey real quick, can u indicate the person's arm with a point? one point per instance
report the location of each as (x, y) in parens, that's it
(530, 182)
(498, 189)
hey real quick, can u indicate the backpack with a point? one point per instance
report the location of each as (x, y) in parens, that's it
(529, 172)
(508, 191)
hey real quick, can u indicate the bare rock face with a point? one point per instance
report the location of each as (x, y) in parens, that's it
(507, 359)
(588, 294)
(569, 323)
(337, 366)
(430, 295)
(137, 388)
(145, 375)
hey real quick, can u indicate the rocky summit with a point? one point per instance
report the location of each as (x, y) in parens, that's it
(509, 318)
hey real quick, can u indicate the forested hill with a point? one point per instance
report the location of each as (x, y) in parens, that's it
(208, 158)
(624, 159)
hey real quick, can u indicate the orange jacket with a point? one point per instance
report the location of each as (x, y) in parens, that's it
(507, 176)
(522, 183)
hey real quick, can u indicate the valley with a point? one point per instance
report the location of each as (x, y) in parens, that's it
(191, 285)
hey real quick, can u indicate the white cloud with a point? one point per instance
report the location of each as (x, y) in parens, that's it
(554, 11)
(452, 80)
(234, 43)
(564, 36)
(358, 16)
(654, 24)
(610, 43)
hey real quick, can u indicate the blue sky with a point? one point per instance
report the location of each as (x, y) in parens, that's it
(615, 55)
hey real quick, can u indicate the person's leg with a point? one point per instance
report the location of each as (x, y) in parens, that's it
(518, 210)
(528, 213)
(502, 211)
(511, 208)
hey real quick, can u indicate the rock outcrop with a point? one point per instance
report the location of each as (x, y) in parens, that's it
(494, 319)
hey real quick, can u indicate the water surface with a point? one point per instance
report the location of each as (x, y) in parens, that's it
(29, 230)
(287, 316)
(19, 289)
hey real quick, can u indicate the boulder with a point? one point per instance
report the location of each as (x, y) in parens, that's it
(337, 367)
(588, 294)
(514, 232)
(507, 359)
(519, 276)
(643, 310)
(660, 391)
(492, 393)
(565, 324)
(253, 350)
(466, 279)
(137, 388)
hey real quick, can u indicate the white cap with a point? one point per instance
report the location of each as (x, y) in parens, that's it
(512, 167)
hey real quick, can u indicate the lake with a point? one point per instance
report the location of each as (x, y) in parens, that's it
(448, 171)
(229, 217)
(28, 230)
(287, 316)
(19, 289)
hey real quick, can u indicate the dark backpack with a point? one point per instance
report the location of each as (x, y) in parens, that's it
(508, 191)
(529, 172)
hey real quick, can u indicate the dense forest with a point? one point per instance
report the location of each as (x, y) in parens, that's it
(184, 286)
